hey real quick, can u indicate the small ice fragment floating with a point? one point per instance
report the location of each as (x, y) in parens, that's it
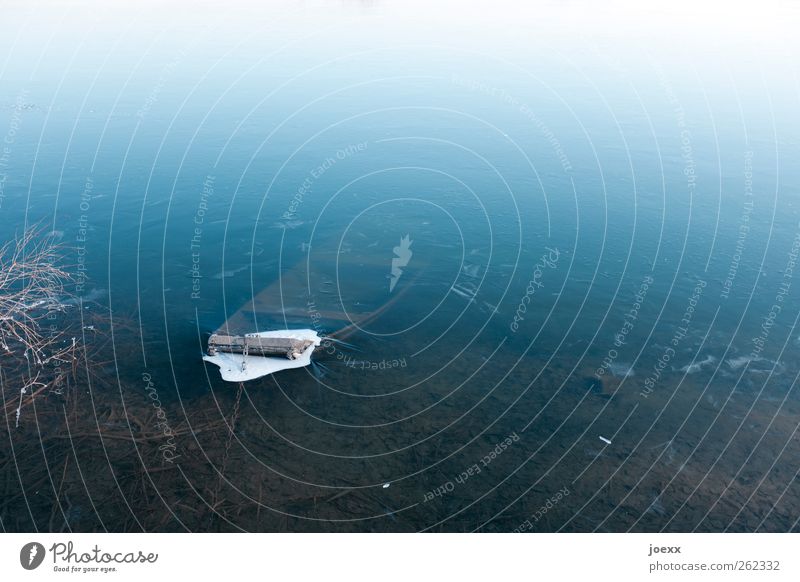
(253, 355)
(605, 440)
(466, 290)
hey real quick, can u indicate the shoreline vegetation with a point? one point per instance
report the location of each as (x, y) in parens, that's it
(85, 446)
(39, 350)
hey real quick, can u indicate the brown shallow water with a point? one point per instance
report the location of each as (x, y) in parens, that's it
(298, 460)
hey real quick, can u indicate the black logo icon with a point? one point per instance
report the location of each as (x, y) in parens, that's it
(31, 555)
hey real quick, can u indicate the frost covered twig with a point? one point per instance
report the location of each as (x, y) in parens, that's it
(32, 295)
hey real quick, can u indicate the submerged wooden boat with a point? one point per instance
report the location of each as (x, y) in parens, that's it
(306, 304)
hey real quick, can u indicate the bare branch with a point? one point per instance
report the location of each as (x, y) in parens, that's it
(33, 295)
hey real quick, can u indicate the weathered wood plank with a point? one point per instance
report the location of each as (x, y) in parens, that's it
(257, 346)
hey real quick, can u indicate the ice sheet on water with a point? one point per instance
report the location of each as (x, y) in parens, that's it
(736, 363)
(768, 366)
(92, 296)
(288, 224)
(466, 290)
(621, 369)
(698, 366)
(240, 368)
(229, 273)
(471, 270)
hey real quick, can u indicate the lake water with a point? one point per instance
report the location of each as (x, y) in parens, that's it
(580, 230)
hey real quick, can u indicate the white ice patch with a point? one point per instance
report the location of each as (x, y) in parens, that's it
(240, 368)
(288, 224)
(93, 296)
(471, 270)
(621, 370)
(229, 273)
(698, 366)
(467, 290)
(768, 366)
(736, 363)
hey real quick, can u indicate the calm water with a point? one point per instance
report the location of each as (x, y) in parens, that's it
(600, 228)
